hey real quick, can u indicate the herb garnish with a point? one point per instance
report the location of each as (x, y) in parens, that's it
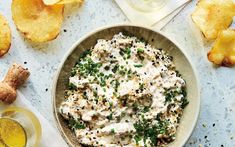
(71, 86)
(140, 50)
(138, 65)
(110, 116)
(76, 124)
(112, 131)
(145, 130)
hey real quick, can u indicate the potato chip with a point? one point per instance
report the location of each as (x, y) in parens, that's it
(37, 21)
(223, 52)
(5, 36)
(213, 16)
(52, 2)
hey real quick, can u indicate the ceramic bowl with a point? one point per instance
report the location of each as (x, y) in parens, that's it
(156, 39)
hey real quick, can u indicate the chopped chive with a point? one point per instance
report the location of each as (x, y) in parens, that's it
(112, 131)
(72, 86)
(138, 65)
(140, 50)
(110, 116)
(115, 68)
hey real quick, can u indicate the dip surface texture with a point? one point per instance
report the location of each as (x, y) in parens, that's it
(124, 92)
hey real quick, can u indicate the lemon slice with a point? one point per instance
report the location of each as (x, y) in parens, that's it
(12, 134)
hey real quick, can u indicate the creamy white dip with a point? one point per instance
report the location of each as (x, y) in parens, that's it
(124, 92)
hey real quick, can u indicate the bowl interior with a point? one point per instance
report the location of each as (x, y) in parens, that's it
(157, 40)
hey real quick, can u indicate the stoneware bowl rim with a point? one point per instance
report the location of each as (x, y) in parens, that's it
(123, 25)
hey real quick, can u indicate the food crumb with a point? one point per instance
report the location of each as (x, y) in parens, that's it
(204, 125)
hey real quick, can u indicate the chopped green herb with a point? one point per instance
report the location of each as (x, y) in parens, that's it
(72, 86)
(101, 74)
(126, 53)
(110, 104)
(76, 124)
(73, 72)
(115, 68)
(146, 129)
(85, 53)
(183, 92)
(79, 126)
(138, 65)
(169, 96)
(88, 67)
(128, 50)
(112, 131)
(137, 139)
(95, 94)
(102, 81)
(116, 85)
(123, 114)
(177, 73)
(185, 102)
(110, 116)
(146, 109)
(122, 72)
(141, 85)
(140, 50)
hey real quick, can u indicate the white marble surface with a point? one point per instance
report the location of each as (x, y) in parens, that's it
(215, 127)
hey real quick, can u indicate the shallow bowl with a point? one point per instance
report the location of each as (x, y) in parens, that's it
(156, 39)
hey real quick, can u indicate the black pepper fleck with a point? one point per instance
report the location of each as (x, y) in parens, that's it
(106, 67)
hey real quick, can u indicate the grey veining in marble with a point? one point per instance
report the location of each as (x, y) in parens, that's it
(215, 126)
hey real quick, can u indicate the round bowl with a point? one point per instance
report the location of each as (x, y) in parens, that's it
(156, 39)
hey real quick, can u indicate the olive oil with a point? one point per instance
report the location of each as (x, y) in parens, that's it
(12, 134)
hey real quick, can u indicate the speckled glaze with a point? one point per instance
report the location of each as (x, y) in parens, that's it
(156, 39)
(215, 127)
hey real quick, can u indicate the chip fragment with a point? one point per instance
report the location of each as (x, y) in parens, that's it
(37, 21)
(213, 16)
(53, 2)
(223, 51)
(5, 36)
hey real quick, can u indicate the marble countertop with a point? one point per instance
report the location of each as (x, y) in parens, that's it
(215, 127)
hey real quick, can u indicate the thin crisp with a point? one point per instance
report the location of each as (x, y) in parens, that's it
(37, 21)
(223, 51)
(5, 36)
(213, 16)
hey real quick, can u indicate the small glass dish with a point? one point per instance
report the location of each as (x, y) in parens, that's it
(147, 5)
(27, 120)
